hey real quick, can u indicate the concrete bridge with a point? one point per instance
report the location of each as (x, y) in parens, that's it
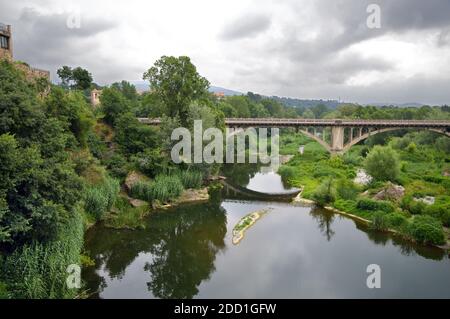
(335, 135)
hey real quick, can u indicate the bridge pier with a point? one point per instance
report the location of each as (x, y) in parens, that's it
(337, 139)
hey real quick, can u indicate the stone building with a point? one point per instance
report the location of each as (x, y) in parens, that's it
(6, 52)
(5, 42)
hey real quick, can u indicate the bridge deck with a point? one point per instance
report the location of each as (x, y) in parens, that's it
(293, 122)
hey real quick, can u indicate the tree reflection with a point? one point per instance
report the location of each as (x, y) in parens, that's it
(185, 253)
(182, 243)
(324, 220)
(241, 173)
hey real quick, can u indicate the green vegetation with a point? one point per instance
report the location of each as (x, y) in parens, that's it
(426, 230)
(39, 270)
(63, 163)
(415, 160)
(382, 164)
(166, 188)
(99, 199)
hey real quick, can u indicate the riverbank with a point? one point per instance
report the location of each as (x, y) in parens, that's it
(129, 212)
(367, 222)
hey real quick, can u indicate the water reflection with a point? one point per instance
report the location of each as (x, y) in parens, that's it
(324, 220)
(178, 248)
(292, 252)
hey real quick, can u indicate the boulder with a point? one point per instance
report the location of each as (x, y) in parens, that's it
(362, 178)
(136, 202)
(428, 200)
(133, 177)
(390, 192)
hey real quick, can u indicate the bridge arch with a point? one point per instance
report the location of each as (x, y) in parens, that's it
(372, 133)
(317, 139)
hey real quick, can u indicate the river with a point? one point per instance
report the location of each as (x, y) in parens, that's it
(291, 252)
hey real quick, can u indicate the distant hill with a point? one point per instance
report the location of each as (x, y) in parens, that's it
(227, 92)
(293, 102)
(412, 104)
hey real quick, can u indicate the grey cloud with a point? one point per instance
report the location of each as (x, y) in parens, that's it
(45, 40)
(246, 26)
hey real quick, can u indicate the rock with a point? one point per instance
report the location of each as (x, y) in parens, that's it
(428, 200)
(133, 177)
(285, 158)
(362, 178)
(390, 192)
(446, 173)
(193, 195)
(136, 202)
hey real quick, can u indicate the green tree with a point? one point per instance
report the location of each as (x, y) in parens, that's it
(65, 74)
(77, 78)
(382, 164)
(113, 104)
(82, 78)
(39, 188)
(177, 82)
(71, 108)
(128, 90)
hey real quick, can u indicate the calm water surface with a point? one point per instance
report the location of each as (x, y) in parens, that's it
(291, 252)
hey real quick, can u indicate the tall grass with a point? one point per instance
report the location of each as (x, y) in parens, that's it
(100, 198)
(166, 187)
(142, 190)
(38, 270)
(190, 179)
(163, 188)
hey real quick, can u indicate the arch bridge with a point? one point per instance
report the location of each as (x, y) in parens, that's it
(335, 135)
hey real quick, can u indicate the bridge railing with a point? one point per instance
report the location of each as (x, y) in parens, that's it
(324, 122)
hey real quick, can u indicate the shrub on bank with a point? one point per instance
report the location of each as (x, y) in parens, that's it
(441, 212)
(426, 230)
(396, 220)
(375, 205)
(286, 172)
(346, 189)
(379, 221)
(325, 193)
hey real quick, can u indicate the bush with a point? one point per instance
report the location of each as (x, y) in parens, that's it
(346, 189)
(286, 173)
(4, 294)
(325, 193)
(100, 198)
(426, 230)
(441, 212)
(379, 221)
(382, 164)
(416, 207)
(117, 165)
(395, 220)
(374, 205)
(39, 270)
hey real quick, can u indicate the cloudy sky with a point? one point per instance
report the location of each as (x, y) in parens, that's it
(297, 48)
